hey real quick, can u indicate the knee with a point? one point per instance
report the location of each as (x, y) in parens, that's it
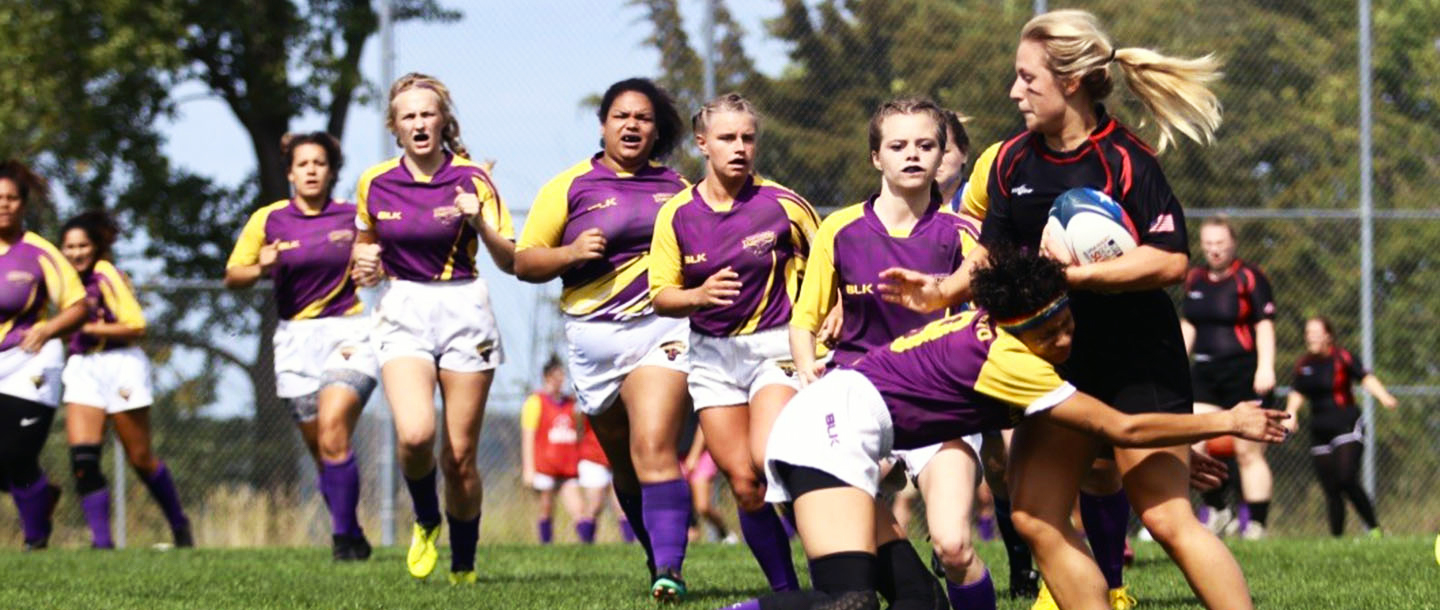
(1167, 525)
(414, 441)
(1030, 526)
(749, 493)
(142, 458)
(650, 450)
(956, 552)
(334, 445)
(85, 462)
(459, 463)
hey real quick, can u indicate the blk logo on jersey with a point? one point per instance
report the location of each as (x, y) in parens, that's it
(1022, 190)
(760, 243)
(694, 259)
(608, 203)
(387, 215)
(859, 289)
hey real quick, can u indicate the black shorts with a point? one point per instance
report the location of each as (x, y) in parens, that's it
(1150, 376)
(1328, 433)
(24, 428)
(1226, 382)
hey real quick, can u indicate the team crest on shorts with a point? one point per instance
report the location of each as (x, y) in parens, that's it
(787, 366)
(485, 349)
(38, 380)
(348, 351)
(124, 393)
(673, 349)
(760, 243)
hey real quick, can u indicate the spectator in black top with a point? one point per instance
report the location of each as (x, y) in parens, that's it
(1229, 330)
(1323, 377)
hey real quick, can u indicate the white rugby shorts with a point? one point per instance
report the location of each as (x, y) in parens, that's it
(602, 353)
(728, 371)
(449, 323)
(916, 459)
(305, 349)
(114, 380)
(34, 377)
(838, 425)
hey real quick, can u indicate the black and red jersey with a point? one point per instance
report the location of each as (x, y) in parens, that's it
(1325, 380)
(1133, 337)
(1224, 311)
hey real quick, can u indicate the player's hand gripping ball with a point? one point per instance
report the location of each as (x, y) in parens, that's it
(1091, 226)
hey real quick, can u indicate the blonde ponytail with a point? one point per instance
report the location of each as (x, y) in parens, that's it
(450, 131)
(1174, 90)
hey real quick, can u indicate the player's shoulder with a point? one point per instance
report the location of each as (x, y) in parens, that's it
(1195, 275)
(106, 269)
(842, 218)
(36, 242)
(567, 177)
(1117, 136)
(679, 200)
(777, 191)
(660, 171)
(379, 169)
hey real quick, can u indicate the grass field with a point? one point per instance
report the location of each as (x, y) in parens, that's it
(1284, 574)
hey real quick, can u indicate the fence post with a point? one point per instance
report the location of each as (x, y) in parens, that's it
(1367, 246)
(117, 491)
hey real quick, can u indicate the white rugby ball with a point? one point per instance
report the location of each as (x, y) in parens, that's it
(1092, 225)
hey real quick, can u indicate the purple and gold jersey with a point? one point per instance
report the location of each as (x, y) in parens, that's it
(32, 275)
(422, 236)
(959, 375)
(851, 248)
(764, 236)
(312, 270)
(623, 206)
(110, 299)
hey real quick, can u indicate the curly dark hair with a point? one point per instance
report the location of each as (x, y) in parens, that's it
(333, 156)
(1015, 282)
(98, 226)
(668, 124)
(24, 178)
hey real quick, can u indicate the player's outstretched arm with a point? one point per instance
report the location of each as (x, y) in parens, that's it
(924, 293)
(1247, 420)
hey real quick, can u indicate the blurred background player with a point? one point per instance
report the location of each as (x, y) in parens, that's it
(700, 471)
(1128, 347)
(552, 438)
(422, 218)
(1228, 323)
(108, 377)
(729, 254)
(591, 226)
(324, 365)
(901, 225)
(31, 357)
(1324, 377)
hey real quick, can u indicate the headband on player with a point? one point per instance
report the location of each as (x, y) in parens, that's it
(1028, 321)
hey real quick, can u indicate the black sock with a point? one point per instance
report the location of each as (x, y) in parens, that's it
(843, 572)
(901, 577)
(1260, 511)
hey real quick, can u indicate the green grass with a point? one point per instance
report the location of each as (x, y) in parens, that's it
(1301, 574)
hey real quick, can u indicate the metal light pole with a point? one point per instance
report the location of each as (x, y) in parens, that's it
(707, 29)
(387, 452)
(1367, 242)
(1041, 6)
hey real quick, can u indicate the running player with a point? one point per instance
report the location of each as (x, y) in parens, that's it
(31, 357)
(1129, 351)
(591, 226)
(978, 370)
(108, 377)
(550, 444)
(901, 225)
(1228, 324)
(1324, 377)
(700, 471)
(422, 217)
(324, 366)
(729, 254)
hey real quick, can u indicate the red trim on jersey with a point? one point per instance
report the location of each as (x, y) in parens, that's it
(1104, 133)
(1063, 160)
(1001, 173)
(1243, 288)
(1340, 359)
(1143, 146)
(1110, 183)
(1126, 171)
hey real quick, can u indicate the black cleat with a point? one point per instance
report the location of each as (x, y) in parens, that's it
(350, 548)
(1024, 583)
(183, 538)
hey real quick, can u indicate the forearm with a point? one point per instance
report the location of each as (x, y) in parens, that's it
(1187, 332)
(113, 330)
(67, 321)
(955, 288)
(1144, 268)
(802, 347)
(1293, 402)
(1265, 345)
(676, 302)
(242, 276)
(540, 264)
(501, 249)
(1168, 429)
(1372, 384)
(527, 450)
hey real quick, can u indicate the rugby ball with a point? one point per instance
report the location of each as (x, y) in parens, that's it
(1092, 225)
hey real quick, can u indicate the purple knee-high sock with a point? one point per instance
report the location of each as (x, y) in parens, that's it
(547, 531)
(464, 536)
(976, 595)
(765, 535)
(585, 530)
(627, 533)
(96, 505)
(667, 517)
(33, 502)
(1105, 519)
(162, 488)
(633, 507)
(341, 482)
(425, 499)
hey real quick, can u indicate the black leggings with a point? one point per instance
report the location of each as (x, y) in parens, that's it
(24, 427)
(1338, 471)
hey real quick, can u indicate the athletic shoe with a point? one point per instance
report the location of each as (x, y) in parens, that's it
(1024, 583)
(1232, 529)
(465, 578)
(184, 539)
(350, 548)
(1376, 533)
(668, 587)
(1043, 600)
(423, 554)
(1218, 520)
(1255, 531)
(730, 538)
(1120, 599)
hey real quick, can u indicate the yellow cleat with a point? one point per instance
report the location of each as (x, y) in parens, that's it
(463, 578)
(1044, 601)
(423, 554)
(1120, 599)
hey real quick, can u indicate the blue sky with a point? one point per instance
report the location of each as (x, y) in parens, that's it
(518, 72)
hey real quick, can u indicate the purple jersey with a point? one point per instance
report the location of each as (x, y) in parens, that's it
(590, 195)
(422, 235)
(110, 300)
(851, 248)
(34, 275)
(959, 375)
(312, 270)
(764, 236)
